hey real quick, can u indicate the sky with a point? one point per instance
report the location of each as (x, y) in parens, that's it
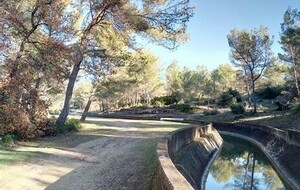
(212, 22)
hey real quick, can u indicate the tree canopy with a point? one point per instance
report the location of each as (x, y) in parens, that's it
(251, 52)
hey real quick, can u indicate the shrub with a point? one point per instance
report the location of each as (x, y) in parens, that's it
(15, 120)
(165, 100)
(269, 92)
(157, 103)
(296, 108)
(8, 139)
(226, 99)
(235, 94)
(296, 105)
(46, 127)
(229, 97)
(70, 125)
(182, 107)
(283, 101)
(17, 117)
(237, 109)
(211, 112)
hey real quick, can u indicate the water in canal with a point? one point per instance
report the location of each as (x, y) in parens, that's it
(240, 165)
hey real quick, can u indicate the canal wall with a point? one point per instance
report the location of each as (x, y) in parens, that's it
(183, 157)
(281, 147)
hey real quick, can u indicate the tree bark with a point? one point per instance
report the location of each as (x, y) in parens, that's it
(86, 110)
(296, 79)
(253, 95)
(252, 174)
(69, 92)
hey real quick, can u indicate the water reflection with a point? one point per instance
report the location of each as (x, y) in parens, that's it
(242, 166)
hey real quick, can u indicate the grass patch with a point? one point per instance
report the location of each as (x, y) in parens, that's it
(148, 149)
(220, 117)
(8, 156)
(69, 140)
(154, 183)
(284, 120)
(87, 133)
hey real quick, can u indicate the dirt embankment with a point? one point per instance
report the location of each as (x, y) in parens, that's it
(120, 156)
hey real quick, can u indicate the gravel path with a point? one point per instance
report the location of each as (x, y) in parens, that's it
(118, 159)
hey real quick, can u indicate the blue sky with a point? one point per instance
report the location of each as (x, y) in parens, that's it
(213, 20)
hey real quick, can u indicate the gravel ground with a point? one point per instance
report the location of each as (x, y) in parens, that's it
(115, 160)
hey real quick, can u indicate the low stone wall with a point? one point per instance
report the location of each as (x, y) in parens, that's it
(179, 155)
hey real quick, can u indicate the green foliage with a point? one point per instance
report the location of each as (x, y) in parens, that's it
(211, 112)
(174, 78)
(8, 139)
(296, 108)
(251, 52)
(156, 103)
(164, 100)
(237, 108)
(131, 84)
(269, 92)
(289, 41)
(223, 77)
(10, 156)
(4, 97)
(229, 97)
(70, 125)
(296, 105)
(190, 84)
(275, 74)
(182, 107)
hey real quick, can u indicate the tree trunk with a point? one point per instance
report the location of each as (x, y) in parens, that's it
(253, 95)
(103, 107)
(248, 88)
(86, 110)
(72, 79)
(254, 98)
(296, 79)
(252, 174)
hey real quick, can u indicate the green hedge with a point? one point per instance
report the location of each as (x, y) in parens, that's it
(237, 109)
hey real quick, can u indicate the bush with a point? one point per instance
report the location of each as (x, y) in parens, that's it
(283, 101)
(296, 108)
(237, 109)
(182, 107)
(235, 94)
(70, 125)
(269, 92)
(157, 103)
(211, 112)
(296, 105)
(165, 100)
(229, 97)
(8, 139)
(46, 127)
(15, 120)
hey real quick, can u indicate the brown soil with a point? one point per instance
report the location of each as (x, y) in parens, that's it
(117, 156)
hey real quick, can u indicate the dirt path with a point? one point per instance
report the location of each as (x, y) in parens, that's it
(120, 157)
